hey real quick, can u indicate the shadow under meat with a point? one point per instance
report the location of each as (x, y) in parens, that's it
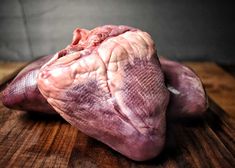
(42, 117)
(178, 131)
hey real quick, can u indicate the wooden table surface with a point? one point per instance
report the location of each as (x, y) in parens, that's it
(48, 141)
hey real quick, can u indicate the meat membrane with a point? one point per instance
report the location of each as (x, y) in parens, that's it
(22, 92)
(188, 98)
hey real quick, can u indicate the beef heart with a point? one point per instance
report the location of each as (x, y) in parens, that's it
(109, 84)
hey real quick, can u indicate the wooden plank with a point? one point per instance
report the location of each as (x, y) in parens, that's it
(35, 141)
(219, 85)
(43, 141)
(30, 140)
(9, 70)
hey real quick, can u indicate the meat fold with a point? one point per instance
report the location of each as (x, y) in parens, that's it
(22, 92)
(109, 84)
(188, 98)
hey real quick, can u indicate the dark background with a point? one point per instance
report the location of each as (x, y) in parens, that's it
(182, 29)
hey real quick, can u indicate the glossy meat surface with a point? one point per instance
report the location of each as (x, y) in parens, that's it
(22, 93)
(109, 84)
(188, 98)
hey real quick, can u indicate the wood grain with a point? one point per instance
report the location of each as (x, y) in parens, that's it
(30, 140)
(9, 70)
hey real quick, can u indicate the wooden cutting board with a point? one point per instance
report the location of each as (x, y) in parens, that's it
(29, 140)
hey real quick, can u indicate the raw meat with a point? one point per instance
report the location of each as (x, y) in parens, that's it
(23, 94)
(108, 83)
(188, 98)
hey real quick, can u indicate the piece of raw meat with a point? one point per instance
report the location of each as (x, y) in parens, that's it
(108, 83)
(188, 98)
(183, 93)
(22, 93)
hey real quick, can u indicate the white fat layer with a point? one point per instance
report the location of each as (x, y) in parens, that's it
(56, 72)
(173, 90)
